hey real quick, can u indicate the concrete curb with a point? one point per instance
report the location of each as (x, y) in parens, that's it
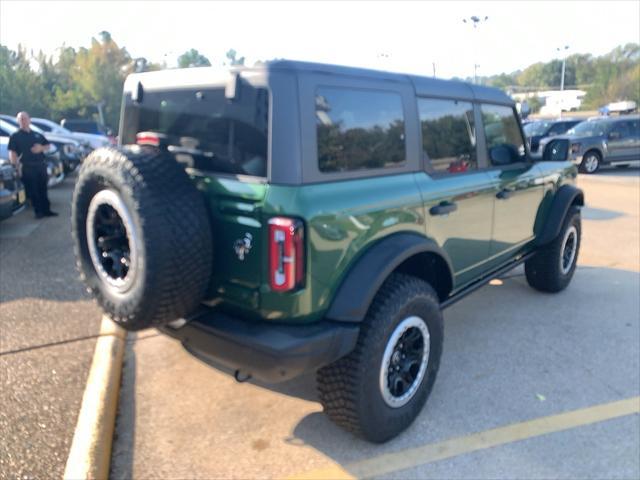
(90, 454)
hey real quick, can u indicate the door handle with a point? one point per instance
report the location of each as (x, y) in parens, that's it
(504, 194)
(443, 208)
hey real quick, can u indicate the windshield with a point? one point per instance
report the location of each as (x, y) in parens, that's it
(536, 128)
(592, 128)
(15, 126)
(205, 130)
(85, 126)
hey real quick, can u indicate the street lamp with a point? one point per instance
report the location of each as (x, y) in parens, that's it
(564, 59)
(475, 21)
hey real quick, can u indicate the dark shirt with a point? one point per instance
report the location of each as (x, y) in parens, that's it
(21, 143)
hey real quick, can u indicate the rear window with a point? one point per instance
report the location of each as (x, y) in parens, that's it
(359, 129)
(204, 130)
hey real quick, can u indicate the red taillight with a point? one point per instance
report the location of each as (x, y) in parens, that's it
(286, 254)
(152, 139)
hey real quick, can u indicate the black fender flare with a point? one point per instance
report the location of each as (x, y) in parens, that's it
(358, 287)
(566, 196)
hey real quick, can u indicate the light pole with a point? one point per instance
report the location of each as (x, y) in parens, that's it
(563, 50)
(475, 21)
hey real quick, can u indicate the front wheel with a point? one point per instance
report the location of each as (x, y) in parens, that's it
(379, 389)
(590, 162)
(552, 267)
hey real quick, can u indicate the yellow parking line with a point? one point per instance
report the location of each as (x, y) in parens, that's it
(413, 457)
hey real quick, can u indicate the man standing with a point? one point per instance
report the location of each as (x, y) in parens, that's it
(27, 148)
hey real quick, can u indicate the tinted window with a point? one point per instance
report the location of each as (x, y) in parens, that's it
(359, 129)
(42, 126)
(502, 133)
(536, 128)
(448, 135)
(627, 129)
(204, 130)
(84, 127)
(621, 128)
(589, 128)
(558, 128)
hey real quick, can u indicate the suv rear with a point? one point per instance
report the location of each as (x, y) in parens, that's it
(298, 217)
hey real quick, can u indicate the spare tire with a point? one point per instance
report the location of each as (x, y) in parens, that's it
(142, 236)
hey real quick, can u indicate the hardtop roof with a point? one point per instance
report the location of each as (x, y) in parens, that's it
(424, 86)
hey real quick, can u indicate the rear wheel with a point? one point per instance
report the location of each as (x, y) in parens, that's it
(378, 390)
(142, 237)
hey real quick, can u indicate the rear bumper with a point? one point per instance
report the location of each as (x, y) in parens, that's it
(266, 351)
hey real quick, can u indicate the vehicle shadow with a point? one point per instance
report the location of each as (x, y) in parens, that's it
(513, 354)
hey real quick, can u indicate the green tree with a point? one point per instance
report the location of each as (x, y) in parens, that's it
(193, 58)
(233, 59)
(20, 87)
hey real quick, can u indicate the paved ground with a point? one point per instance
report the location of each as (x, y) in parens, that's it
(511, 355)
(47, 329)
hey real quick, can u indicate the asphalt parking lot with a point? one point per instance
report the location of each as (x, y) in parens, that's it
(47, 336)
(514, 359)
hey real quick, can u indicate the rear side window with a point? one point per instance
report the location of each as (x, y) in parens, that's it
(504, 140)
(627, 129)
(204, 130)
(359, 129)
(448, 135)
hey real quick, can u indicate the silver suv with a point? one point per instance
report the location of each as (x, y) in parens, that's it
(604, 141)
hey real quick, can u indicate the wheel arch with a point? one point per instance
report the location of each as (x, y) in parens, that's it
(566, 197)
(408, 253)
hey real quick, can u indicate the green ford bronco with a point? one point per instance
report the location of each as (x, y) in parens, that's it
(299, 217)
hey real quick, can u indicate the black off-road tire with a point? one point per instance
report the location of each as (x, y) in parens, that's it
(544, 271)
(350, 390)
(173, 235)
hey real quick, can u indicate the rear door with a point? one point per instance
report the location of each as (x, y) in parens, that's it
(457, 192)
(517, 189)
(623, 141)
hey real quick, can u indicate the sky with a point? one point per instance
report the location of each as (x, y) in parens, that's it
(397, 36)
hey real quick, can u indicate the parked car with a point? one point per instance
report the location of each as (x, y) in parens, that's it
(12, 194)
(348, 207)
(604, 141)
(55, 166)
(538, 130)
(71, 151)
(90, 140)
(88, 127)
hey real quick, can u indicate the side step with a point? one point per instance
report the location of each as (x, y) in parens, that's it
(484, 280)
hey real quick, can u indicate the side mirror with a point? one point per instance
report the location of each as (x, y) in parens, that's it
(503, 154)
(556, 151)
